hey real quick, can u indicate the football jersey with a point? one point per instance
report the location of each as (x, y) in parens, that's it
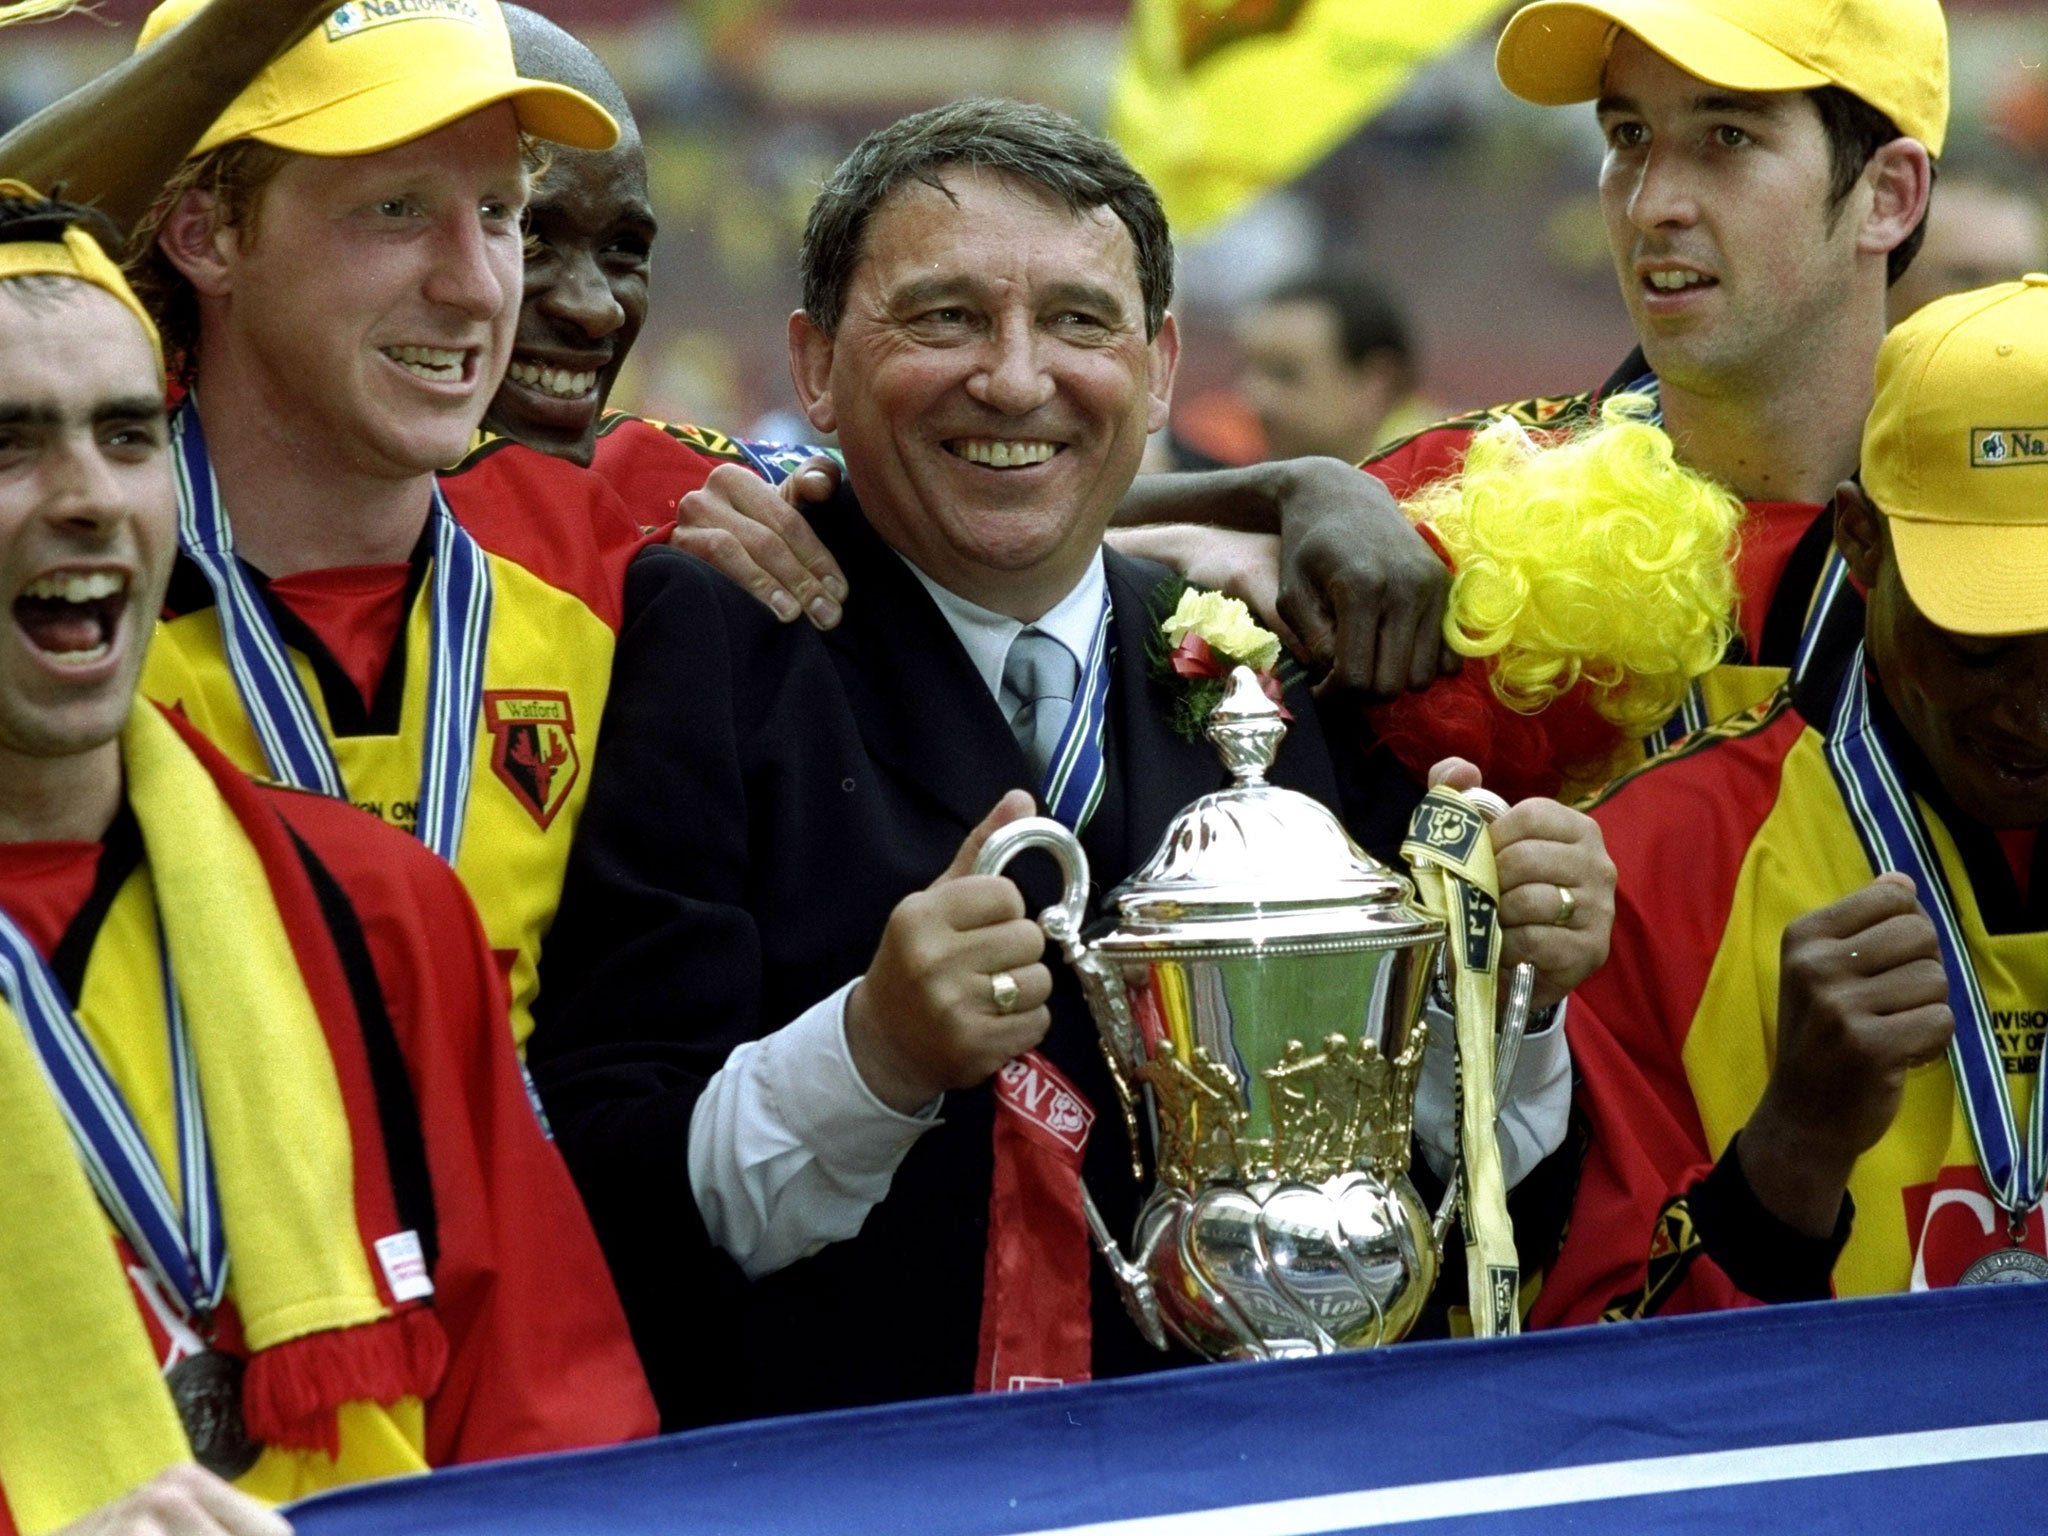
(557, 544)
(1719, 845)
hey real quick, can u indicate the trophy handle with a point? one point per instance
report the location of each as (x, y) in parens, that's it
(1063, 922)
(1101, 983)
(1133, 1278)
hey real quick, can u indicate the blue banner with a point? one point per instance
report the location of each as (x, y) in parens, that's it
(1926, 1413)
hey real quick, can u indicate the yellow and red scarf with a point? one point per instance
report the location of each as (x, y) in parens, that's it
(300, 1159)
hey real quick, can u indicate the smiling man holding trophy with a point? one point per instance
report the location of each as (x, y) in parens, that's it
(813, 1074)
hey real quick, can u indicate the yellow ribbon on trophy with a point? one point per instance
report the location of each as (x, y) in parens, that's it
(1452, 859)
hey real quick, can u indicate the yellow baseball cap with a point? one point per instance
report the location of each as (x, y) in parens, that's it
(1955, 454)
(375, 74)
(1892, 54)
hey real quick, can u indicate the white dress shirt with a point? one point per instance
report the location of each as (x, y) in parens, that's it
(790, 1149)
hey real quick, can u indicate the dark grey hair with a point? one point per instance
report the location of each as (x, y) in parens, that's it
(1035, 144)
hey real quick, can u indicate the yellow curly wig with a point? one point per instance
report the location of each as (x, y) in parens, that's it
(34, 10)
(1595, 559)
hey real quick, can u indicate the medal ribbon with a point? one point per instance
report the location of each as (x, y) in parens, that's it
(776, 462)
(279, 710)
(1452, 858)
(1894, 837)
(1834, 581)
(1074, 776)
(188, 1251)
(1692, 715)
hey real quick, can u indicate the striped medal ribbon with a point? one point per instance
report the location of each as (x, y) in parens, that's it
(185, 1249)
(188, 1252)
(1074, 776)
(1693, 716)
(279, 709)
(1894, 837)
(1834, 581)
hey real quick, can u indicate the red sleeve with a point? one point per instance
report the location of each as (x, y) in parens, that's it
(1421, 460)
(651, 466)
(561, 522)
(1678, 834)
(539, 1354)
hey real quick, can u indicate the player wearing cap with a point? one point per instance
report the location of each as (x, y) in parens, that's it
(337, 267)
(273, 1199)
(1767, 169)
(1817, 895)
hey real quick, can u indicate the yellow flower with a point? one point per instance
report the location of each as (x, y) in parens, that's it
(1228, 627)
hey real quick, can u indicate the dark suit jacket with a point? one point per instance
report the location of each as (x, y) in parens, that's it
(765, 796)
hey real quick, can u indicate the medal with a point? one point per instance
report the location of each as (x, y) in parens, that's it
(2006, 1266)
(1888, 824)
(186, 1249)
(206, 1389)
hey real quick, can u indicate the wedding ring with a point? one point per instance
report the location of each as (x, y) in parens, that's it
(1567, 904)
(1002, 988)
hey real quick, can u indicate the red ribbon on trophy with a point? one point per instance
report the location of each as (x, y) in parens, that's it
(1035, 1318)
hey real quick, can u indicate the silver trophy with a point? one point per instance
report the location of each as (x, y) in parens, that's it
(1259, 990)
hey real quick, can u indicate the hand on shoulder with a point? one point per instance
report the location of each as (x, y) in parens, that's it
(752, 533)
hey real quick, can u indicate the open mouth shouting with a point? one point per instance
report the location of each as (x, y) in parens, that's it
(436, 365)
(1003, 452)
(73, 617)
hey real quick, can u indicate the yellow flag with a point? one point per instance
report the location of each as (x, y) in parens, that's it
(1218, 100)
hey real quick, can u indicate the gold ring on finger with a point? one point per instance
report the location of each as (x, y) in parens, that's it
(1002, 989)
(1567, 904)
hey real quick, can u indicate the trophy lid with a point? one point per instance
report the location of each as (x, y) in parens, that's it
(1256, 863)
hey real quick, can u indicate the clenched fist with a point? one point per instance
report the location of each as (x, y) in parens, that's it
(924, 1019)
(1862, 1000)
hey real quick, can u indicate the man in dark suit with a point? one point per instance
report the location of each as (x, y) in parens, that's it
(775, 997)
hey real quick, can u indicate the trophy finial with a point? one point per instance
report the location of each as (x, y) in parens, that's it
(1246, 728)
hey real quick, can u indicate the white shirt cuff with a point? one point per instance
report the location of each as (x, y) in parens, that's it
(789, 1147)
(1534, 1113)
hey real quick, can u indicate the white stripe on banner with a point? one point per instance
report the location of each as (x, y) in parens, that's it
(1594, 1483)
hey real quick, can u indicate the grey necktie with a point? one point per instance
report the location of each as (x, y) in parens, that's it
(1039, 678)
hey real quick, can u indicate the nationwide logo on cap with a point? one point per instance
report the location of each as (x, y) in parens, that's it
(362, 15)
(2008, 447)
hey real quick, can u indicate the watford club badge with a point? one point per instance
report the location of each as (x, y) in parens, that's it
(533, 747)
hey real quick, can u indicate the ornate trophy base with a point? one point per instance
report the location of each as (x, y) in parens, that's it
(1280, 1269)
